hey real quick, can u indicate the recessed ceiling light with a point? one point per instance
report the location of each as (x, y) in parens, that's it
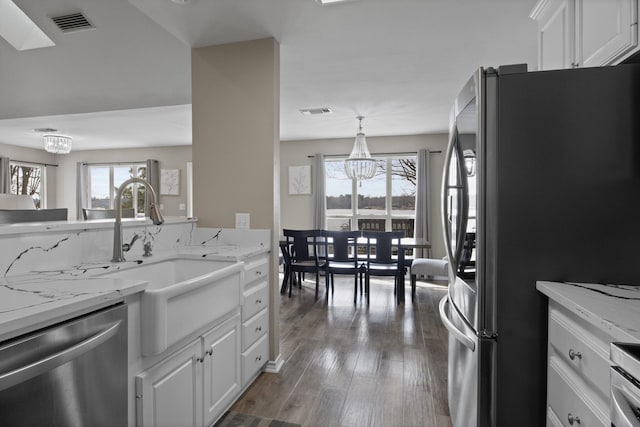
(332, 1)
(315, 111)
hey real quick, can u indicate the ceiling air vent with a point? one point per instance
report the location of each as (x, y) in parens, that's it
(316, 111)
(72, 23)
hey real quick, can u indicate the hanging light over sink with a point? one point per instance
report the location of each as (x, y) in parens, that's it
(360, 165)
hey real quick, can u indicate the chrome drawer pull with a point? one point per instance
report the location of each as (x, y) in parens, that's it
(574, 354)
(258, 358)
(209, 352)
(258, 301)
(573, 419)
(259, 329)
(259, 273)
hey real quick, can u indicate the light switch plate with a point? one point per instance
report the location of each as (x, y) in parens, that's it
(242, 220)
(182, 206)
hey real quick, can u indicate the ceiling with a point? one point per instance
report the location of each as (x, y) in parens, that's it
(126, 83)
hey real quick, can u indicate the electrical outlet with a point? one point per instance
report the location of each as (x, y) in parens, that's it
(182, 207)
(161, 206)
(242, 220)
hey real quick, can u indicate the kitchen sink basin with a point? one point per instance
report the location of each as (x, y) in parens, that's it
(182, 296)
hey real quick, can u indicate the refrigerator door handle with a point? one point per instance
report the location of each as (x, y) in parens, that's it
(457, 333)
(446, 201)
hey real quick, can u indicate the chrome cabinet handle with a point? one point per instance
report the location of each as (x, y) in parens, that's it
(209, 352)
(199, 359)
(258, 301)
(574, 354)
(259, 329)
(573, 419)
(258, 358)
(259, 273)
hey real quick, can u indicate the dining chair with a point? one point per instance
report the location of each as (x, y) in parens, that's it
(381, 260)
(286, 263)
(90, 214)
(342, 258)
(305, 254)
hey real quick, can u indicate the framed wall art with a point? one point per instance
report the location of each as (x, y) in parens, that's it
(170, 182)
(299, 180)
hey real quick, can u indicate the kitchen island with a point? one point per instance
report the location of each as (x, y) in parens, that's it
(57, 271)
(584, 319)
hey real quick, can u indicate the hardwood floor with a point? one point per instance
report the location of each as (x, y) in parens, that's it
(357, 365)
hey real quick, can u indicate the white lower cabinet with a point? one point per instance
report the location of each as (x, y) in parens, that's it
(194, 385)
(577, 371)
(255, 318)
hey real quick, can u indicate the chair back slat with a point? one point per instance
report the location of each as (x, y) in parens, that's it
(304, 244)
(381, 245)
(342, 245)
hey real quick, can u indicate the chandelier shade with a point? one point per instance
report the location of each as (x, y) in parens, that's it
(360, 165)
(57, 144)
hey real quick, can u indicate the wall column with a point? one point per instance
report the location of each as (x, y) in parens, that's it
(236, 145)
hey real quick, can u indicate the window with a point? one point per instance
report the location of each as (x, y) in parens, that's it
(104, 181)
(27, 178)
(387, 202)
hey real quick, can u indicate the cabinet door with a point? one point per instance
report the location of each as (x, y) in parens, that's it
(555, 34)
(221, 367)
(605, 30)
(169, 394)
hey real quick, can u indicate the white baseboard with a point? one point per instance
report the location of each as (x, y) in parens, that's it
(274, 366)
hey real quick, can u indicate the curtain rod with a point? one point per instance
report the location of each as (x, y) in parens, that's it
(115, 163)
(32, 163)
(328, 156)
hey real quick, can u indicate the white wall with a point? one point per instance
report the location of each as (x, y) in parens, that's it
(24, 154)
(296, 212)
(168, 157)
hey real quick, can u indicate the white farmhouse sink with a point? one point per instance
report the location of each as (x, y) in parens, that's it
(183, 296)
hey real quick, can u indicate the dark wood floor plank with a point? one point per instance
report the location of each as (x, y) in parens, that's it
(350, 364)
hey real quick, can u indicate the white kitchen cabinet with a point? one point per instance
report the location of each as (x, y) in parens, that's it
(255, 317)
(585, 33)
(194, 385)
(577, 371)
(169, 393)
(221, 368)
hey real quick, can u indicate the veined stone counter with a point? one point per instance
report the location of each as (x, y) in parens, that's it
(50, 272)
(612, 308)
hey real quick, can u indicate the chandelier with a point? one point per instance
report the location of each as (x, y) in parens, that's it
(57, 144)
(360, 165)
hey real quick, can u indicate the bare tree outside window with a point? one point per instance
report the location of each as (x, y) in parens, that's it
(26, 179)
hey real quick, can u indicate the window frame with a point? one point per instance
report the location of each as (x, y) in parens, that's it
(389, 215)
(43, 180)
(111, 174)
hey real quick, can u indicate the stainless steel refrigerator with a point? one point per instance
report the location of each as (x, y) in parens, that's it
(541, 182)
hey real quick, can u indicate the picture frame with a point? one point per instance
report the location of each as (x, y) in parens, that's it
(299, 180)
(169, 182)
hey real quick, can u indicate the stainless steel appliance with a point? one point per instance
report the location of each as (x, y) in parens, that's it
(625, 385)
(70, 374)
(541, 182)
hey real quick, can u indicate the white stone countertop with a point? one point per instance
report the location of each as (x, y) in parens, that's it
(612, 308)
(41, 298)
(74, 225)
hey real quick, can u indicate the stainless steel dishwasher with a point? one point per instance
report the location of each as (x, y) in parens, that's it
(625, 385)
(70, 374)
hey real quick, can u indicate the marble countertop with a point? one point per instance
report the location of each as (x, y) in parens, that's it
(612, 308)
(44, 297)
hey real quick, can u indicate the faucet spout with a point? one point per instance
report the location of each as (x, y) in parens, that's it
(154, 214)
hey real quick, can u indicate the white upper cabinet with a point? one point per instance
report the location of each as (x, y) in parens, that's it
(585, 33)
(606, 30)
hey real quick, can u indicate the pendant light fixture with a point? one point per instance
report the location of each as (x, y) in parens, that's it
(57, 144)
(360, 165)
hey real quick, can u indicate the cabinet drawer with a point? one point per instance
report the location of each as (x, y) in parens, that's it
(255, 299)
(581, 350)
(254, 359)
(568, 397)
(254, 328)
(256, 270)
